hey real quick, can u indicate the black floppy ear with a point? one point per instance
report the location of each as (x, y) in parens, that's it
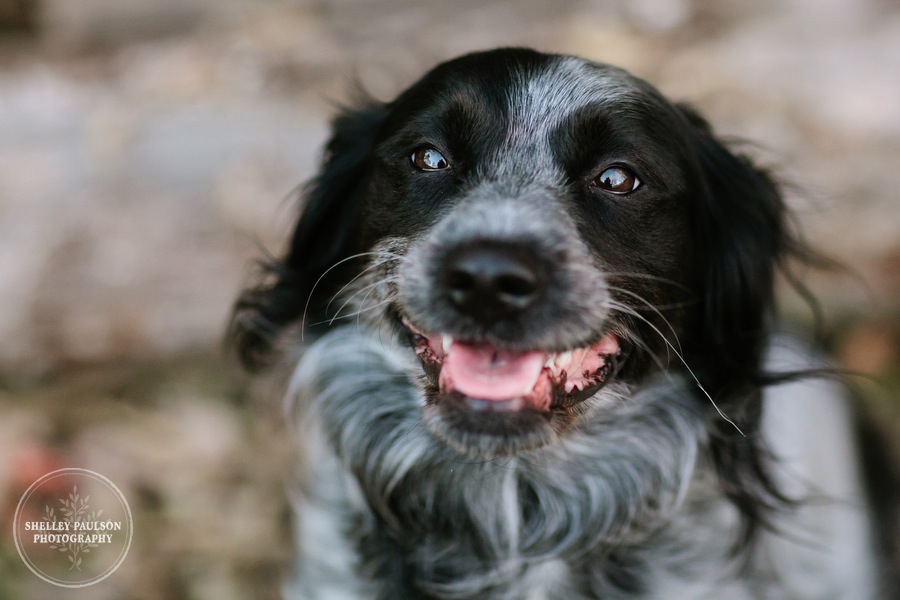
(742, 235)
(742, 240)
(300, 284)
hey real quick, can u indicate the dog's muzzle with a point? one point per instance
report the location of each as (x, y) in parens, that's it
(505, 310)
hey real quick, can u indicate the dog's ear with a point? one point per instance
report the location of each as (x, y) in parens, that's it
(743, 237)
(300, 284)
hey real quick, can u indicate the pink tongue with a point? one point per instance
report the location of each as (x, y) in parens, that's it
(483, 372)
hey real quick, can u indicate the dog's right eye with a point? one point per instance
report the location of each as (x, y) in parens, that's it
(427, 158)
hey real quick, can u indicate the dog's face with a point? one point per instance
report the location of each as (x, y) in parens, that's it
(536, 209)
(535, 227)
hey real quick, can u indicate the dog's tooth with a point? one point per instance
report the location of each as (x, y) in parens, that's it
(446, 341)
(563, 359)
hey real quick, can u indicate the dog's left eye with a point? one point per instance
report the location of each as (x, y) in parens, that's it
(618, 180)
(427, 158)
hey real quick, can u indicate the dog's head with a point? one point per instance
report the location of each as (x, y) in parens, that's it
(537, 227)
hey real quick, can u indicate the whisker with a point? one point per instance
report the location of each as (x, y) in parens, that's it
(367, 289)
(613, 305)
(319, 280)
(363, 308)
(372, 266)
(351, 315)
(652, 307)
(647, 276)
(684, 362)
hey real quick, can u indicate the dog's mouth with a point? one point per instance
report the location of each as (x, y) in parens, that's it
(490, 379)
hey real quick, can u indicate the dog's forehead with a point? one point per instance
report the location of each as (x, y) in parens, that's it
(540, 99)
(532, 91)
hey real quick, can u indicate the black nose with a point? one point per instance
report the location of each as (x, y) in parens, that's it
(489, 282)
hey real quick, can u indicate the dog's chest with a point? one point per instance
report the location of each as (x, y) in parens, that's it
(515, 552)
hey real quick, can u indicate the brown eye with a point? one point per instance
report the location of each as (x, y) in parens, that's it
(427, 158)
(617, 180)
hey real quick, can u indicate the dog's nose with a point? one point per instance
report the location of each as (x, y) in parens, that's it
(488, 282)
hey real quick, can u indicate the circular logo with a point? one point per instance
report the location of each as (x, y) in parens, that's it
(73, 527)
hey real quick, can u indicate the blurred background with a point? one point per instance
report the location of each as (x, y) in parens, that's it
(150, 150)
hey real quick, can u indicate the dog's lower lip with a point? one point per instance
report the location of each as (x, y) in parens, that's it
(495, 380)
(501, 406)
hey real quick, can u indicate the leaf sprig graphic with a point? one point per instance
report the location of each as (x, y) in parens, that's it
(74, 510)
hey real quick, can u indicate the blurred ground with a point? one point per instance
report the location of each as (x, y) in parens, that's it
(147, 150)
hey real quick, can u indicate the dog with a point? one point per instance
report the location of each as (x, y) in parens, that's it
(533, 304)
